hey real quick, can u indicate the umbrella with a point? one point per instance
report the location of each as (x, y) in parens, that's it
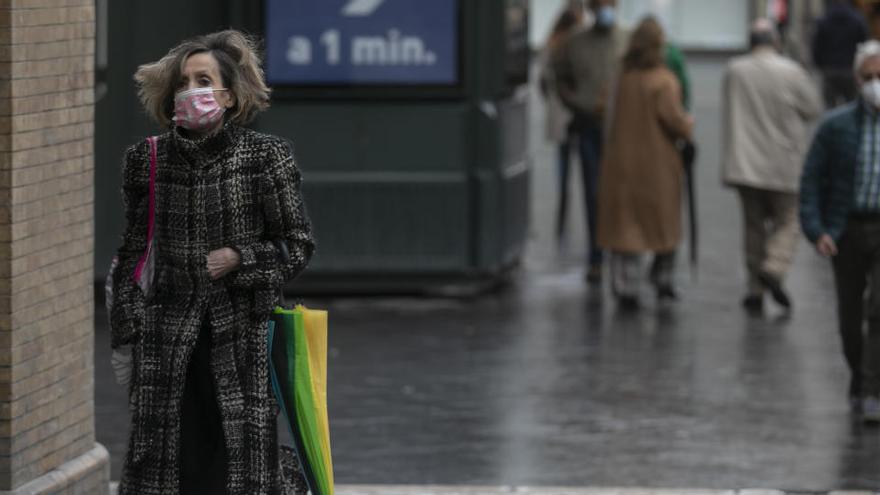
(298, 369)
(689, 157)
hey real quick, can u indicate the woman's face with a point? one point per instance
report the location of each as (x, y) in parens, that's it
(202, 71)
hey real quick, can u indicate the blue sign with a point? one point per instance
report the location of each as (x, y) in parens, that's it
(362, 42)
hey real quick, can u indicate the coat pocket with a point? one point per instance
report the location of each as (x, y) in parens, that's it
(142, 389)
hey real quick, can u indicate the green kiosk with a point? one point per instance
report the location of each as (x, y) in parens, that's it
(408, 119)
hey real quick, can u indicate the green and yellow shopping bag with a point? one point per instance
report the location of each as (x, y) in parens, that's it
(298, 368)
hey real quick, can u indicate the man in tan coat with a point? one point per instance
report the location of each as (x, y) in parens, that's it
(768, 104)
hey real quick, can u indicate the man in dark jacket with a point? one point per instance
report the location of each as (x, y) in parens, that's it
(834, 45)
(840, 214)
(584, 68)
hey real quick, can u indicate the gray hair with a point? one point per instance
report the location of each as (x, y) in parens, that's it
(763, 33)
(866, 50)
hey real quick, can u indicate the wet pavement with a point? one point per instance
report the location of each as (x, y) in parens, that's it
(525, 490)
(546, 384)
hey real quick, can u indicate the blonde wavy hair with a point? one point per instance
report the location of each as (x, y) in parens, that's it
(240, 67)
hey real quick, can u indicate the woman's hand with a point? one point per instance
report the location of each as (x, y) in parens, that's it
(222, 261)
(826, 246)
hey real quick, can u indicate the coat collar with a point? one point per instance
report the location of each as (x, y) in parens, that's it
(864, 109)
(203, 151)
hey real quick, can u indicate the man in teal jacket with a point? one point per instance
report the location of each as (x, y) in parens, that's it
(675, 62)
(840, 214)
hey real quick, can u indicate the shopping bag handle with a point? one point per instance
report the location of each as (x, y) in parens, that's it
(283, 257)
(283, 250)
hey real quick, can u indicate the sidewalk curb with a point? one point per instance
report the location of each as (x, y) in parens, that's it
(525, 490)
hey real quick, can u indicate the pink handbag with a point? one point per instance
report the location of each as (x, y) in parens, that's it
(143, 272)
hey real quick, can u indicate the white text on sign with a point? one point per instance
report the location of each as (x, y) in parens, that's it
(390, 50)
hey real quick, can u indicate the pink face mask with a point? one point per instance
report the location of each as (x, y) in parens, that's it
(197, 110)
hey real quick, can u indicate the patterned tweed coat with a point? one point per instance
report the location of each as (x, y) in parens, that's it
(238, 189)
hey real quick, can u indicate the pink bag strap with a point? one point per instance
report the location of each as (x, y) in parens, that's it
(151, 219)
(151, 215)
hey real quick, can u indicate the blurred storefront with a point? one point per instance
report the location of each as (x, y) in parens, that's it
(706, 25)
(692, 24)
(695, 24)
(409, 122)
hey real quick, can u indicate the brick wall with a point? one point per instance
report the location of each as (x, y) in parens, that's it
(46, 241)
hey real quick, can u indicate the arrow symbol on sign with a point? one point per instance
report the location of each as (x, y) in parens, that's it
(361, 8)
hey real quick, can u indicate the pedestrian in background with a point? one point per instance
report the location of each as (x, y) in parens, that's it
(834, 44)
(558, 117)
(768, 102)
(840, 214)
(874, 20)
(203, 412)
(641, 177)
(584, 70)
(674, 59)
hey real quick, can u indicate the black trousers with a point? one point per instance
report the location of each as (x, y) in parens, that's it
(589, 135)
(857, 279)
(203, 457)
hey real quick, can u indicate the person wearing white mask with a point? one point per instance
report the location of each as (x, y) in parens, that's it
(223, 204)
(840, 214)
(585, 67)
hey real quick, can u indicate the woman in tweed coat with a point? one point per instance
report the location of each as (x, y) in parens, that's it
(203, 413)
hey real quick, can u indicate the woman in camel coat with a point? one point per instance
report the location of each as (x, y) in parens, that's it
(641, 175)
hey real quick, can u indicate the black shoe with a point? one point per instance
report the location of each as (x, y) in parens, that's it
(628, 303)
(667, 292)
(754, 303)
(774, 285)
